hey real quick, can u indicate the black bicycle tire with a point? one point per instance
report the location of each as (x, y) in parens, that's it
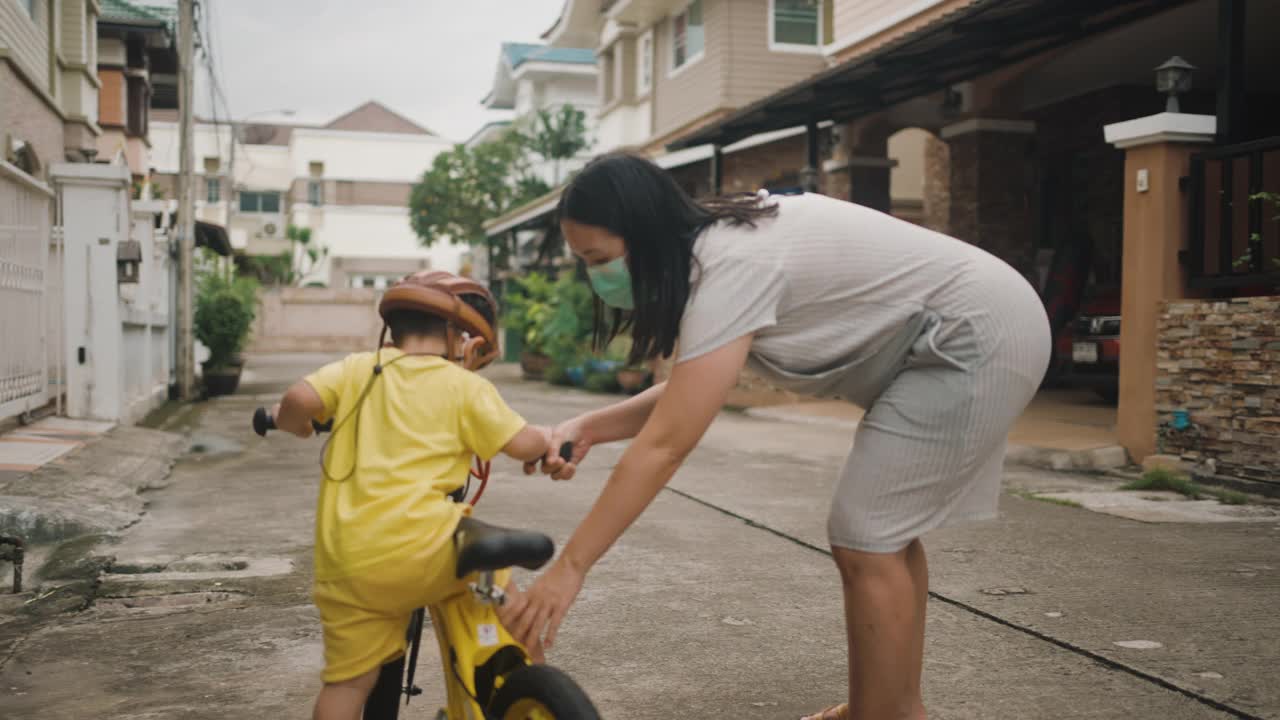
(553, 688)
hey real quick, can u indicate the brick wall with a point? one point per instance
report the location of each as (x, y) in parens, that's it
(1220, 360)
(990, 194)
(25, 116)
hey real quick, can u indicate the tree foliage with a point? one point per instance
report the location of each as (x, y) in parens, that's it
(556, 136)
(465, 187)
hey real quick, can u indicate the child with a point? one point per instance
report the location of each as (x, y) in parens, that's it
(407, 422)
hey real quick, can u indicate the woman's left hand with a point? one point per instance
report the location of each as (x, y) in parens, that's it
(544, 605)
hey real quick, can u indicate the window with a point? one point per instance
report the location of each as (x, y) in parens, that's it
(644, 81)
(139, 96)
(213, 190)
(260, 202)
(687, 38)
(795, 22)
(315, 192)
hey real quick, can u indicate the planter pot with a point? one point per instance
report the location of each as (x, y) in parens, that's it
(221, 381)
(602, 367)
(633, 380)
(534, 365)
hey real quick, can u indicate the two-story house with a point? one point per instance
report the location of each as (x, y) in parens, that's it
(137, 67)
(347, 182)
(668, 68)
(48, 82)
(532, 78)
(1116, 145)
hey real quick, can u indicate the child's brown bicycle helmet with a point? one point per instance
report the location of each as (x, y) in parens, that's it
(443, 294)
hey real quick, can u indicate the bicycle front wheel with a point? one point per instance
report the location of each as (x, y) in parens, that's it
(541, 692)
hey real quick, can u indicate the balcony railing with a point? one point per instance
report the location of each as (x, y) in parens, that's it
(1235, 216)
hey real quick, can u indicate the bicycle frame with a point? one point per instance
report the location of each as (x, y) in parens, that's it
(476, 651)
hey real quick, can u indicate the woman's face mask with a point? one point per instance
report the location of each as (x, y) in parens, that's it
(606, 257)
(612, 282)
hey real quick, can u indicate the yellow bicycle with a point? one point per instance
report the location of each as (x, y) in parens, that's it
(487, 674)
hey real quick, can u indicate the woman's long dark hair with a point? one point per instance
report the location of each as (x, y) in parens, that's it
(635, 199)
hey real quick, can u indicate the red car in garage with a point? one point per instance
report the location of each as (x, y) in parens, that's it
(1087, 349)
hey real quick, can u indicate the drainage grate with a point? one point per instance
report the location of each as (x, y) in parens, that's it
(166, 603)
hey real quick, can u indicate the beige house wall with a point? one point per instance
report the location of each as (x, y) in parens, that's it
(697, 88)
(315, 320)
(855, 17)
(355, 192)
(753, 69)
(25, 116)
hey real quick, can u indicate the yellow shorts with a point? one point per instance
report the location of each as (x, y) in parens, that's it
(366, 616)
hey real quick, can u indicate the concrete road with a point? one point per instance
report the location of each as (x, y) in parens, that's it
(720, 602)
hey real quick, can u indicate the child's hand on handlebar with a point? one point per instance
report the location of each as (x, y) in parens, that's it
(566, 450)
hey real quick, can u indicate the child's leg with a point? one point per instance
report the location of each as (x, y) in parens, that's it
(344, 700)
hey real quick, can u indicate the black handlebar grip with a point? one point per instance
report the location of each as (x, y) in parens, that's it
(322, 427)
(262, 422)
(566, 451)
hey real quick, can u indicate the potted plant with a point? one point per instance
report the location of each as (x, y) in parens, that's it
(224, 313)
(530, 307)
(631, 377)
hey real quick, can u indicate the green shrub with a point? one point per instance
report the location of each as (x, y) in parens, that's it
(224, 312)
(602, 383)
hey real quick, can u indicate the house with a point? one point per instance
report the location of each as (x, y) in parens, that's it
(1065, 145)
(668, 68)
(48, 82)
(347, 182)
(137, 68)
(532, 78)
(48, 115)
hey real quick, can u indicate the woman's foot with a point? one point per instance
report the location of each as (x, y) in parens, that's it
(835, 712)
(841, 712)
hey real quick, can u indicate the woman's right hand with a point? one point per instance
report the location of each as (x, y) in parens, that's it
(570, 431)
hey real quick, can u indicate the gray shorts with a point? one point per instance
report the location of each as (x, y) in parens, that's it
(930, 450)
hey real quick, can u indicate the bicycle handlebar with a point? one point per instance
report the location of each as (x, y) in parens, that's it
(263, 421)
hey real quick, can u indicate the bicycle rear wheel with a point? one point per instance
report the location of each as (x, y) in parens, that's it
(541, 692)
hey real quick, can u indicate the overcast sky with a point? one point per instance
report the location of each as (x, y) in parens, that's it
(430, 60)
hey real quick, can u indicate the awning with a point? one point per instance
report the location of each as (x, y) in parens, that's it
(967, 43)
(213, 237)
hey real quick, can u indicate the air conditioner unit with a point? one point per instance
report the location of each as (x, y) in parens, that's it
(269, 229)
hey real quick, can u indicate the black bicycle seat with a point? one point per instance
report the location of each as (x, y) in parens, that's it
(484, 547)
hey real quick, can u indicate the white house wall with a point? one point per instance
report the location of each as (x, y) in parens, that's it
(364, 156)
(371, 232)
(625, 125)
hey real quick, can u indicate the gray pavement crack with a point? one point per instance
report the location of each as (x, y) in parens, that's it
(13, 649)
(1063, 644)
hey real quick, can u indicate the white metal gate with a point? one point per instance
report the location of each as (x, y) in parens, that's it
(25, 213)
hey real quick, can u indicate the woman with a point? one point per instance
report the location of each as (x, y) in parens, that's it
(943, 344)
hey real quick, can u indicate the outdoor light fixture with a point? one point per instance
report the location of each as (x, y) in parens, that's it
(1173, 78)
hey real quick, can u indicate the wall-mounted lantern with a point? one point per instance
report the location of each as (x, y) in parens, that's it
(128, 261)
(1174, 78)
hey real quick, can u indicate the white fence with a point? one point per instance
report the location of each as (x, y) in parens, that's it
(25, 309)
(70, 327)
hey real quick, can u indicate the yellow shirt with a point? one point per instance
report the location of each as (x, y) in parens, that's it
(411, 444)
